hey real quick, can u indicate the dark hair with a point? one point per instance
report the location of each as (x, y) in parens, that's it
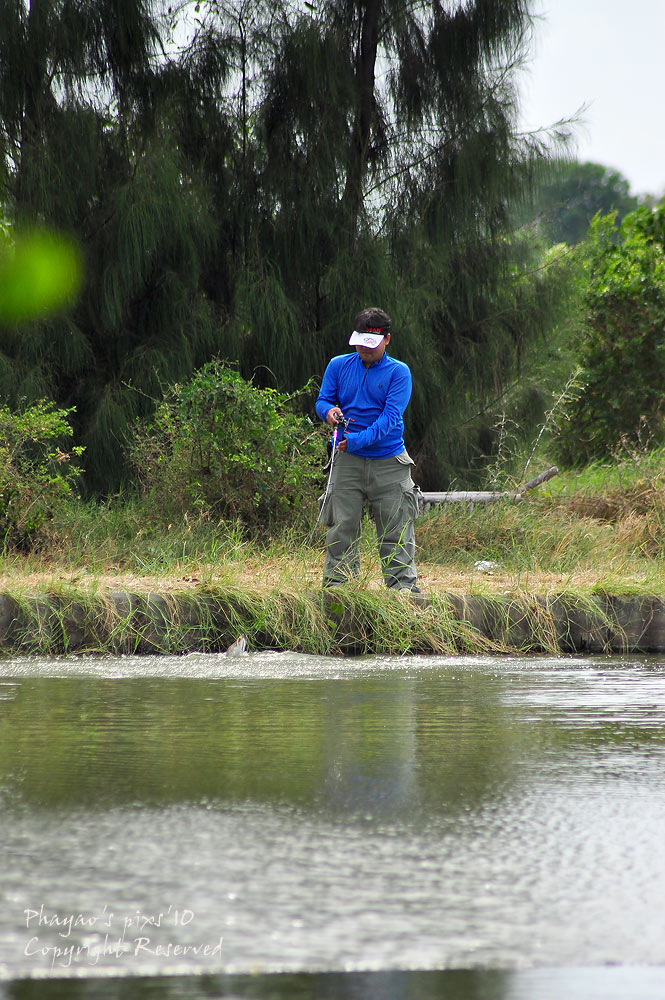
(372, 319)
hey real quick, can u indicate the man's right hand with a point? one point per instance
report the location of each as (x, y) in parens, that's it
(334, 415)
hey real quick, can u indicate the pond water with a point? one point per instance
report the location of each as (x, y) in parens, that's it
(280, 826)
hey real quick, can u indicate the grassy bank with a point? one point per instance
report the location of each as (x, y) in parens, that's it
(581, 534)
(591, 531)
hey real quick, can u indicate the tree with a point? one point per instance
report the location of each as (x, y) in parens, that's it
(85, 104)
(572, 193)
(242, 194)
(623, 351)
(388, 169)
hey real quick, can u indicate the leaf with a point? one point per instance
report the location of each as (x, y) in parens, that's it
(40, 273)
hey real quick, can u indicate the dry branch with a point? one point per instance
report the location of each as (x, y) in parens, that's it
(484, 496)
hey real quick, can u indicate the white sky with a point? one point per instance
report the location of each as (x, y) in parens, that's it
(610, 56)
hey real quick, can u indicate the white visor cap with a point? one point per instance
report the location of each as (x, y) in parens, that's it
(366, 339)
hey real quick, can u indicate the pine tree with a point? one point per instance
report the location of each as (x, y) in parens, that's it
(86, 101)
(243, 192)
(388, 171)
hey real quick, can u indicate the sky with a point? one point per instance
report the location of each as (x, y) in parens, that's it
(607, 55)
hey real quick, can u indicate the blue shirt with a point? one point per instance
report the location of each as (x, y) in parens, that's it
(373, 399)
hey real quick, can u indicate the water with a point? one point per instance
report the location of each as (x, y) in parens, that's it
(291, 826)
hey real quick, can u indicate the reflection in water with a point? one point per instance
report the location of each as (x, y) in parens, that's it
(389, 985)
(414, 814)
(465, 984)
(370, 746)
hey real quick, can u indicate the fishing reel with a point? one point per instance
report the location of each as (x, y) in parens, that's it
(341, 423)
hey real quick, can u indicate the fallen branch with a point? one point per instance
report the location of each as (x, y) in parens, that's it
(472, 497)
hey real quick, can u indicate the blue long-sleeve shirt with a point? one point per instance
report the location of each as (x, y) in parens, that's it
(373, 400)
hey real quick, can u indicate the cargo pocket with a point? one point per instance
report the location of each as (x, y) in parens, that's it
(410, 500)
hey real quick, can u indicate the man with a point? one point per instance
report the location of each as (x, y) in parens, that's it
(369, 391)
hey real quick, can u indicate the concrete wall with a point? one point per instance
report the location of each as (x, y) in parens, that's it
(120, 622)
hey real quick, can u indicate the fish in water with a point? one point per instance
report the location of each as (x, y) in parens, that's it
(238, 648)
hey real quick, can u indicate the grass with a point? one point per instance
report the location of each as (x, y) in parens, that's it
(592, 532)
(583, 534)
(593, 529)
(354, 620)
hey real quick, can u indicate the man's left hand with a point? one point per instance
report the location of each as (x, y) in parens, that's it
(342, 445)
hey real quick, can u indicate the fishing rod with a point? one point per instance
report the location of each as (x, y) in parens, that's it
(340, 422)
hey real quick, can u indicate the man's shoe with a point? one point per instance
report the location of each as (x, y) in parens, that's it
(415, 593)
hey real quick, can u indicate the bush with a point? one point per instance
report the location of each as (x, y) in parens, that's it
(35, 474)
(219, 446)
(622, 401)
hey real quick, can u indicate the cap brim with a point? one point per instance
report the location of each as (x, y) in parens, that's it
(370, 340)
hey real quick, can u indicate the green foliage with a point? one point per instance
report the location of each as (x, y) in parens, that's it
(102, 163)
(242, 189)
(623, 350)
(40, 272)
(219, 446)
(571, 193)
(36, 476)
(400, 189)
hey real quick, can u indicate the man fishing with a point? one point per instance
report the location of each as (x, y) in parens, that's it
(366, 392)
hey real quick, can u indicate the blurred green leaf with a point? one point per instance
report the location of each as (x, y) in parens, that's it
(40, 273)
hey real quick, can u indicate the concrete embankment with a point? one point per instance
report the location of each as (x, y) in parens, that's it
(331, 622)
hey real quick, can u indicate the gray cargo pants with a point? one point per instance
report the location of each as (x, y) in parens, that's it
(387, 485)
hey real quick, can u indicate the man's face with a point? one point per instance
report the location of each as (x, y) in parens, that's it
(370, 355)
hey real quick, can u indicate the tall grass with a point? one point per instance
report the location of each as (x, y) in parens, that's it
(112, 578)
(605, 518)
(353, 621)
(592, 529)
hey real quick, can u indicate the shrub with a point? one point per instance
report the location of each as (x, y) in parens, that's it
(36, 475)
(622, 401)
(218, 445)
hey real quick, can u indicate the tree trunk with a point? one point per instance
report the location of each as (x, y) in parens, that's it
(369, 12)
(33, 76)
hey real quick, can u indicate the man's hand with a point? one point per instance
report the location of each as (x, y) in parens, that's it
(342, 445)
(333, 415)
